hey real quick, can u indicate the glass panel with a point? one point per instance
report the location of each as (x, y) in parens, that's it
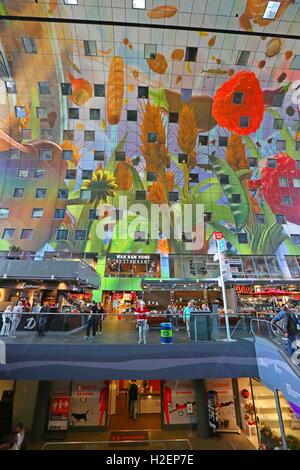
(291, 420)
(249, 267)
(273, 266)
(261, 266)
(293, 266)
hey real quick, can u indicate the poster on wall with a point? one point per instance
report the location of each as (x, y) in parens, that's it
(179, 398)
(59, 411)
(221, 406)
(88, 404)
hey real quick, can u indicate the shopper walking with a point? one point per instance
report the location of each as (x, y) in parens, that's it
(100, 318)
(42, 319)
(16, 318)
(142, 313)
(170, 315)
(187, 317)
(133, 399)
(290, 325)
(91, 323)
(6, 320)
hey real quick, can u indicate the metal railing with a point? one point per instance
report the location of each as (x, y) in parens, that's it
(153, 444)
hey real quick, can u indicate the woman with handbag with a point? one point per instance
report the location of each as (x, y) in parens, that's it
(6, 319)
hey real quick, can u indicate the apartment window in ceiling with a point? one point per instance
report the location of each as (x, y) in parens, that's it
(143, 92)
(295, 237)
(140, 195)
(297, 145)
(71, 2)
(80, 235)
(283, 182)
(223, 141)
(63, 194)
(242, 58)
(298, 164)
(68, 135)
(19, 193)
(139, 237)
(26, 234)
(151, 176)
(271, 10)
(280, 219)
(295, 65)
(44, 88)
(99, 90)
(39, 173)
(150, 51)
(182, 158)
(85, 194)
(296, 125)
(41, 113)
(37, 213)
(94, 114)
(224, 179)
(46, 155)
(23, 173)
(278, 124)
(68, 155)
(278, 100)
(59, 213)
(87, 174)
(272, 163)
(8, 234)
(11, 87)
(73, 113)
(236, 198)
(139, 4)
(191, 54)
(89, 136)
(237, 97)
(152, 137)
(193, 178)
(173, 196)
(242, 238)
(173, 118)
(281, 144)
(99, 156)
(93, 214)
(90, 48)
(186, 94)
(296, 182)
(207, 217)
(4, 212)
(20, 111)
(40, 193)
(29, 45)
(244, 121)
(203, 140)
(71, 174)
(15, 154)
(66, 89)
(286, 200)
(120, 156)
(260, 218)
(62, 235)
(131, 115)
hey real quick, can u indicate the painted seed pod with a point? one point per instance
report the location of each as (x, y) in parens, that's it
(273, 47)
(162, 11)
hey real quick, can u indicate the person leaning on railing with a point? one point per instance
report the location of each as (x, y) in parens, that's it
(291, 321)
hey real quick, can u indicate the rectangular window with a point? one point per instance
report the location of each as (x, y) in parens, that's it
(150, 51)
(20, 111)
(68, 135)
(87, 174)
(277, 123)
(80, 235)
(63, 194)
(286, 200)
(11, 87)
(4, 212)
(151, 176)
(236, 198)
(281, 144)
(223, 141)
(298, 164)
(73, 113)
(62, 235)
(182, 158)
(37, 213)
(44, 88)
(173, 118)
(295, 238)
(29, 45)
(38, 173)
(41, 113)
(244, 121)
(131, 115)
(120, 156)
(46, 155)
(296, 125)
(40, 193)
(224, 179)
(280, 219)
(89, 136)
(99, 156)
(271, 10)
(173, 196)
(143, 92)
(297, 145)
(272, 163)
(71, 174)
(68, 155)
(186, 94)
(278, 100)
(23, 173)
(140, 195)
(203, 140)
(26, 234)
(237, 97)
(66, 89)
(191, 54)
(139, 4)
(15, 154)
(59, 213)
(295, 65)
(193, 178)
(99, 90)
(94, 114)
(296, 182)
(71, 2)
(85, 194)
(242, 238)
(26, 134)
(260, 218)
(252, 162)
(207, 217)
(90, 48)
(283, 182)
(8, 234)
(242, 58)
(19, 193)
(93, 214)
(152, 137)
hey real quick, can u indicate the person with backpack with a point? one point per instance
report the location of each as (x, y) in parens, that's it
(291, 321)
(133, 398)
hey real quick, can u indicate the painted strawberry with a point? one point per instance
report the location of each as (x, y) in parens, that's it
(238, 104)
(274, 194)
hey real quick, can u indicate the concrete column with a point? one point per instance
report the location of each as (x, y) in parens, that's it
(41, 411)
(24, 403)
(202, 411)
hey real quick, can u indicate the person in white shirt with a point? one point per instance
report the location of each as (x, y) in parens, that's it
(16, 318)
(6, 319)
(18, 438)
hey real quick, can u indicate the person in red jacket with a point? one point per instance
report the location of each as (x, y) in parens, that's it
(142, 313)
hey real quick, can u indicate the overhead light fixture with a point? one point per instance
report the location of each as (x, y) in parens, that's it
(271, 10)
(71, 2)
(139, 4)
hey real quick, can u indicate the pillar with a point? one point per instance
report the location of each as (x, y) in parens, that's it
(41, 411)
(202, 411)
(24, 403)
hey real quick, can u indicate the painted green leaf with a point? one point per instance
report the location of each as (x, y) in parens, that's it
(110, 166)
(252, 147)
(228, 235)
(240, 210)
(136, 179)
(158, 97)
(286, 135)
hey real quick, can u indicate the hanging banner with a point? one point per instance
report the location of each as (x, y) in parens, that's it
(179, 402)
(88, 404)
(59, 411)
(221, 406)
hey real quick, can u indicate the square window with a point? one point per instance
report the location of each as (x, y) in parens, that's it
(236, 198)
(272, 163)
(66, 89)
(173, 196)
(63, 194)
(139, 4)
(151, 176)
(297, 145)
(62, 235)
(193, 178)
(191, 54)
(11, 87)
(143, 92)
(94, 114)
(296, 125)
(15, 154)
(80, 235)
(26, 234)
(67, 155)
(71, 174)
(223, 141)
(89, 136)
(4, 212)
(242, 238)
(150, 51)
(278, 100)
(41, 113)
(295, 238)
(20, 111)
(152, 137)
(139, 237)
(277, 123)
(298, 164)
(182, 158)
(296, 182)
(203, 140)
(120, 156)
(46, 155)
(85, 194)
(37, 213)
(73, 113)
(244, 121)
(87, 174)
(207, 217)
(224, 179)
(280, 219)
(99, 90)
(8, 234)
(44, 88)
(140, 195)
(38, 173)
(271, 10)
(40, 193)
(71, 2)
(99, 156)
(252, 162)
(237, 97)
(26, 134)
(19, 193)
(286, 200)
(260, 218)
(283, 182)
(295, 65)
(173, 117)
(59, 213)
(29, 45)
(131, 115)
(242, 58)
(90, 48)
(281, 144)
(186, 94)
(23, 173)
(93, 214)
(68, 135)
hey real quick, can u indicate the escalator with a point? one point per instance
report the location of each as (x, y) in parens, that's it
(276, 369)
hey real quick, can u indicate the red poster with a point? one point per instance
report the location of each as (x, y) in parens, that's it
(59, 411)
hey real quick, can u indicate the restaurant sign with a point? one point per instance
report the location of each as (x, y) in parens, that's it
(244, 290)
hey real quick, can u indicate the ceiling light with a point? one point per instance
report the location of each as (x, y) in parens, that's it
(71, 2)
(271, 10)
(141, 4)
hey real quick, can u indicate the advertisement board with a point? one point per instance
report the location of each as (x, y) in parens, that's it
(179, 398)
(88, 404)
(59, 411)
(221, 406)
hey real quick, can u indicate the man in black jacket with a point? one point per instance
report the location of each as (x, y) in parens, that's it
(92, 310)
(291, 330)
(133, 397)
